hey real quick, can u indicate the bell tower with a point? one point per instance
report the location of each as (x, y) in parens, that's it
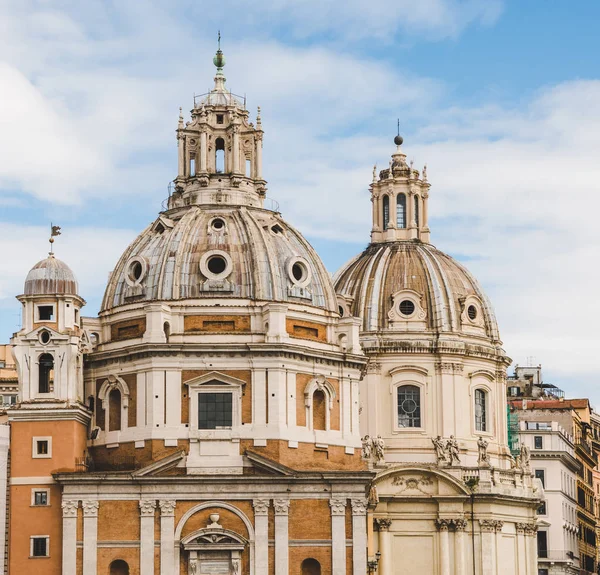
(399, 195)
(49, 426)
(219, 150)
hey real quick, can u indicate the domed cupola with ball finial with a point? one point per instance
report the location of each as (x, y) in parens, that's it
(219, 150)
(399, 195)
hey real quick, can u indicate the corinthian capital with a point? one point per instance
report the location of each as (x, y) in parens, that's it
(338, 505)
(90, 508)
(167, 507)
(69, 507)
(261, 506)
(359, 506)
(147, 507)
(383, 524)
(282, 506)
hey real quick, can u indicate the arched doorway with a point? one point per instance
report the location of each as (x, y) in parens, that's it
(310, 567)
(119, 567)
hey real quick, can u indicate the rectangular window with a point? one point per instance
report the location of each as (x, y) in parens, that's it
(538, 442)
(541, 475)
(219, 118)
(480, 410)
(42, 448)
(215, 410)
(45, 313)
(39, 546)
(542, 544)
(409, 406)
(40, 497)
(542, 509)
(9, 400)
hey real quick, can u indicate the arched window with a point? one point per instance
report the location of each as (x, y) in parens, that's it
(319, 410)
(409, 406)
(311, 567)
(114, 410)
(480, 410)
(401, 211)
(46, 375)
(167, 330)
(386, 212)
(220, 155)
(119, 567)
(417, 210)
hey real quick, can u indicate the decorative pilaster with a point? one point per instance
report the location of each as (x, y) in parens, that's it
(460, 526)
(338, 535)
(442, 526)
(147, 507)
(69, 538)
(90, 536)
(521, 547)
(167, 536)
(385, 547)
(531, 547)
(488, 546)
(261, 528)
(359, 536)
(282, 508)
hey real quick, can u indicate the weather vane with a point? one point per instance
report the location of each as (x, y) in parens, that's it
(54, 231)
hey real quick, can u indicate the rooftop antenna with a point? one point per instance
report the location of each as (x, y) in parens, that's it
(398, 127)
(54, 231)
(219, 39)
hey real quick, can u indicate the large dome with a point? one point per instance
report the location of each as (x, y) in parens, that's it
(410, 285)
(50, 277)
(220, 251)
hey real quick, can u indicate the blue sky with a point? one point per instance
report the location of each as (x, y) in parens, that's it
(501, 99)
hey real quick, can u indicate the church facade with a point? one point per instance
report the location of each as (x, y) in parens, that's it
(232, 410)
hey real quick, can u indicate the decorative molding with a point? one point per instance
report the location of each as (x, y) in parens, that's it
(261, 506)
(359, 506)
(69, 507)
(460, 524)
(282, 506)
(531, 529)
(382, 524)
(490, 525)
(90, 507)
(520, 528)
(338, 505)
(449, 367)
(147, 507)
(167, 507)
(443, 524)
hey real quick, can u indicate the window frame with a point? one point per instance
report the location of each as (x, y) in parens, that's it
(399, 204)
(483, 380)
(37, 313)
(36, 490)
(541, 438)
(397, 388)
(34, 450)
(215, 393)
(542, 478)
(481, 391)
(32, 538)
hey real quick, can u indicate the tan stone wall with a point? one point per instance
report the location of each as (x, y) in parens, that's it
(119, 521)
(306, 456)
(321, 554)
(106, 555)
(128, 329)
(310, 330)
(309, 519)
(216, 323)
(153, 450)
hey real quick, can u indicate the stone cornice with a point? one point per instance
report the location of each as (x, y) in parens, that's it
(55, 411)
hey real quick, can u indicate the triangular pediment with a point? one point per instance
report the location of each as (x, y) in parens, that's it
(161, 466)
(266, 464)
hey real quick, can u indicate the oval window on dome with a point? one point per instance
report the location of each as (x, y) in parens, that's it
(216, 264)
(136, 270)
(299, 272)
(407, 307)
(217, 224)
(472, 312)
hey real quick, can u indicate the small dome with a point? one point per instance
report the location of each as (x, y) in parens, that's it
(393, 284)
(50, 277)
(221, 252)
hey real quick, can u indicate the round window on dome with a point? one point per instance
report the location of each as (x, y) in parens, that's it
(216, 265)
(407, 307)
(45, 337)
(217, 224)
(299, 272)
(472, 312)
(136, 270)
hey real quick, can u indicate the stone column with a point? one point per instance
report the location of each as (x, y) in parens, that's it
(167, 537)
(203, 149)
(393, 209)
(498, 527)
(460, 526)
(488, 546)
(443, 526)
(531, 536)
(338, 535)
(147, 507)
(235, 149)
(375, 202)
(385, 546)
(259, 156)
(359, 536)
(180, 155)
(521, 548)
(69, 537)
(261, 530)
(282, 507)
(90, 536)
